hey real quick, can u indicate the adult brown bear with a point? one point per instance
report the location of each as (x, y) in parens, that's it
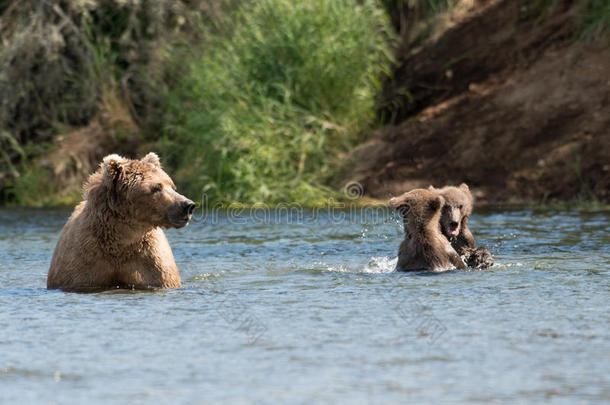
(113, 238)
(424, 246)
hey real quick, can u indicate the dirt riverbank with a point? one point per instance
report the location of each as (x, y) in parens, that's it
(518, 109)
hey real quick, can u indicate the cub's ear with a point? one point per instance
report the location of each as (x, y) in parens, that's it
(152, 159)
(111, 165)
(397, 201)
(464, 188)
(400, 204)
(431, 188)
(436, 203)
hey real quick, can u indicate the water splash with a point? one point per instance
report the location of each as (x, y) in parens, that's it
(375, 265)
(380, 264)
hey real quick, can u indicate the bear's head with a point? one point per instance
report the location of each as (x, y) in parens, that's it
(456, 210)
(138, 191)
(418, 208)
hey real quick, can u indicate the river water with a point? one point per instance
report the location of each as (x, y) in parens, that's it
(303, 308)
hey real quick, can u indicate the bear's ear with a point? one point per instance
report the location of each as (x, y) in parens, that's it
(464, 188)
(152, 159)
(396, 202)
(112, 173)
(111, 165)
(436, 203)
(400, 204)
(431, 188)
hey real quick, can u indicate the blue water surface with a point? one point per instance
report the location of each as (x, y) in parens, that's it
(303, 307)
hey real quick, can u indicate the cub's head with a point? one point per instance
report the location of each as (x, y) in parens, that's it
(139, 190)
(417, 207)
(456, 210)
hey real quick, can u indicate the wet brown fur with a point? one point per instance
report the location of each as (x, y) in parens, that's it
(113, 238)
(458, 208)
(424, 246)
(478, 258)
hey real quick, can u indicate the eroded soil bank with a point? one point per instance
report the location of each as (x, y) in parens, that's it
(517, 108)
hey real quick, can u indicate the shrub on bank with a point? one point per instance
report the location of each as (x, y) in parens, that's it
(60, 60)
(266, 113)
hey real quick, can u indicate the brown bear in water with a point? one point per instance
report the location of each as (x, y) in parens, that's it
(113, 238)
(424, 246)
(454, 225)
(455, 214)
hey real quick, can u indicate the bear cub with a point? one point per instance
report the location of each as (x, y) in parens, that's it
(424, 247)
(455, 214)
(113, 239)
(454, 225)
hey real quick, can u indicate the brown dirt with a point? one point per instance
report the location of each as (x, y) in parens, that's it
(518, 110)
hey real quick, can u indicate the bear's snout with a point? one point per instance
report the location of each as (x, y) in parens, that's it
(188, 207)
(181, 212)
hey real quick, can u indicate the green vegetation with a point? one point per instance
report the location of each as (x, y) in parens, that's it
(250, 101)
(593, 16)
(257, 104)
(60, 64)
(595, 19)
(268, 111)
(591, 204)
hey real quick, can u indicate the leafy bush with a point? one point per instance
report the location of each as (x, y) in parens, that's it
(268, 110)
(57, 56)
(60, 59)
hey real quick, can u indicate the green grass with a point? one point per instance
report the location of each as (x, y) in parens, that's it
(593, 16)
(595, 19)
(267, 112)
(578, 204)
(35, 187)
(261, 104)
